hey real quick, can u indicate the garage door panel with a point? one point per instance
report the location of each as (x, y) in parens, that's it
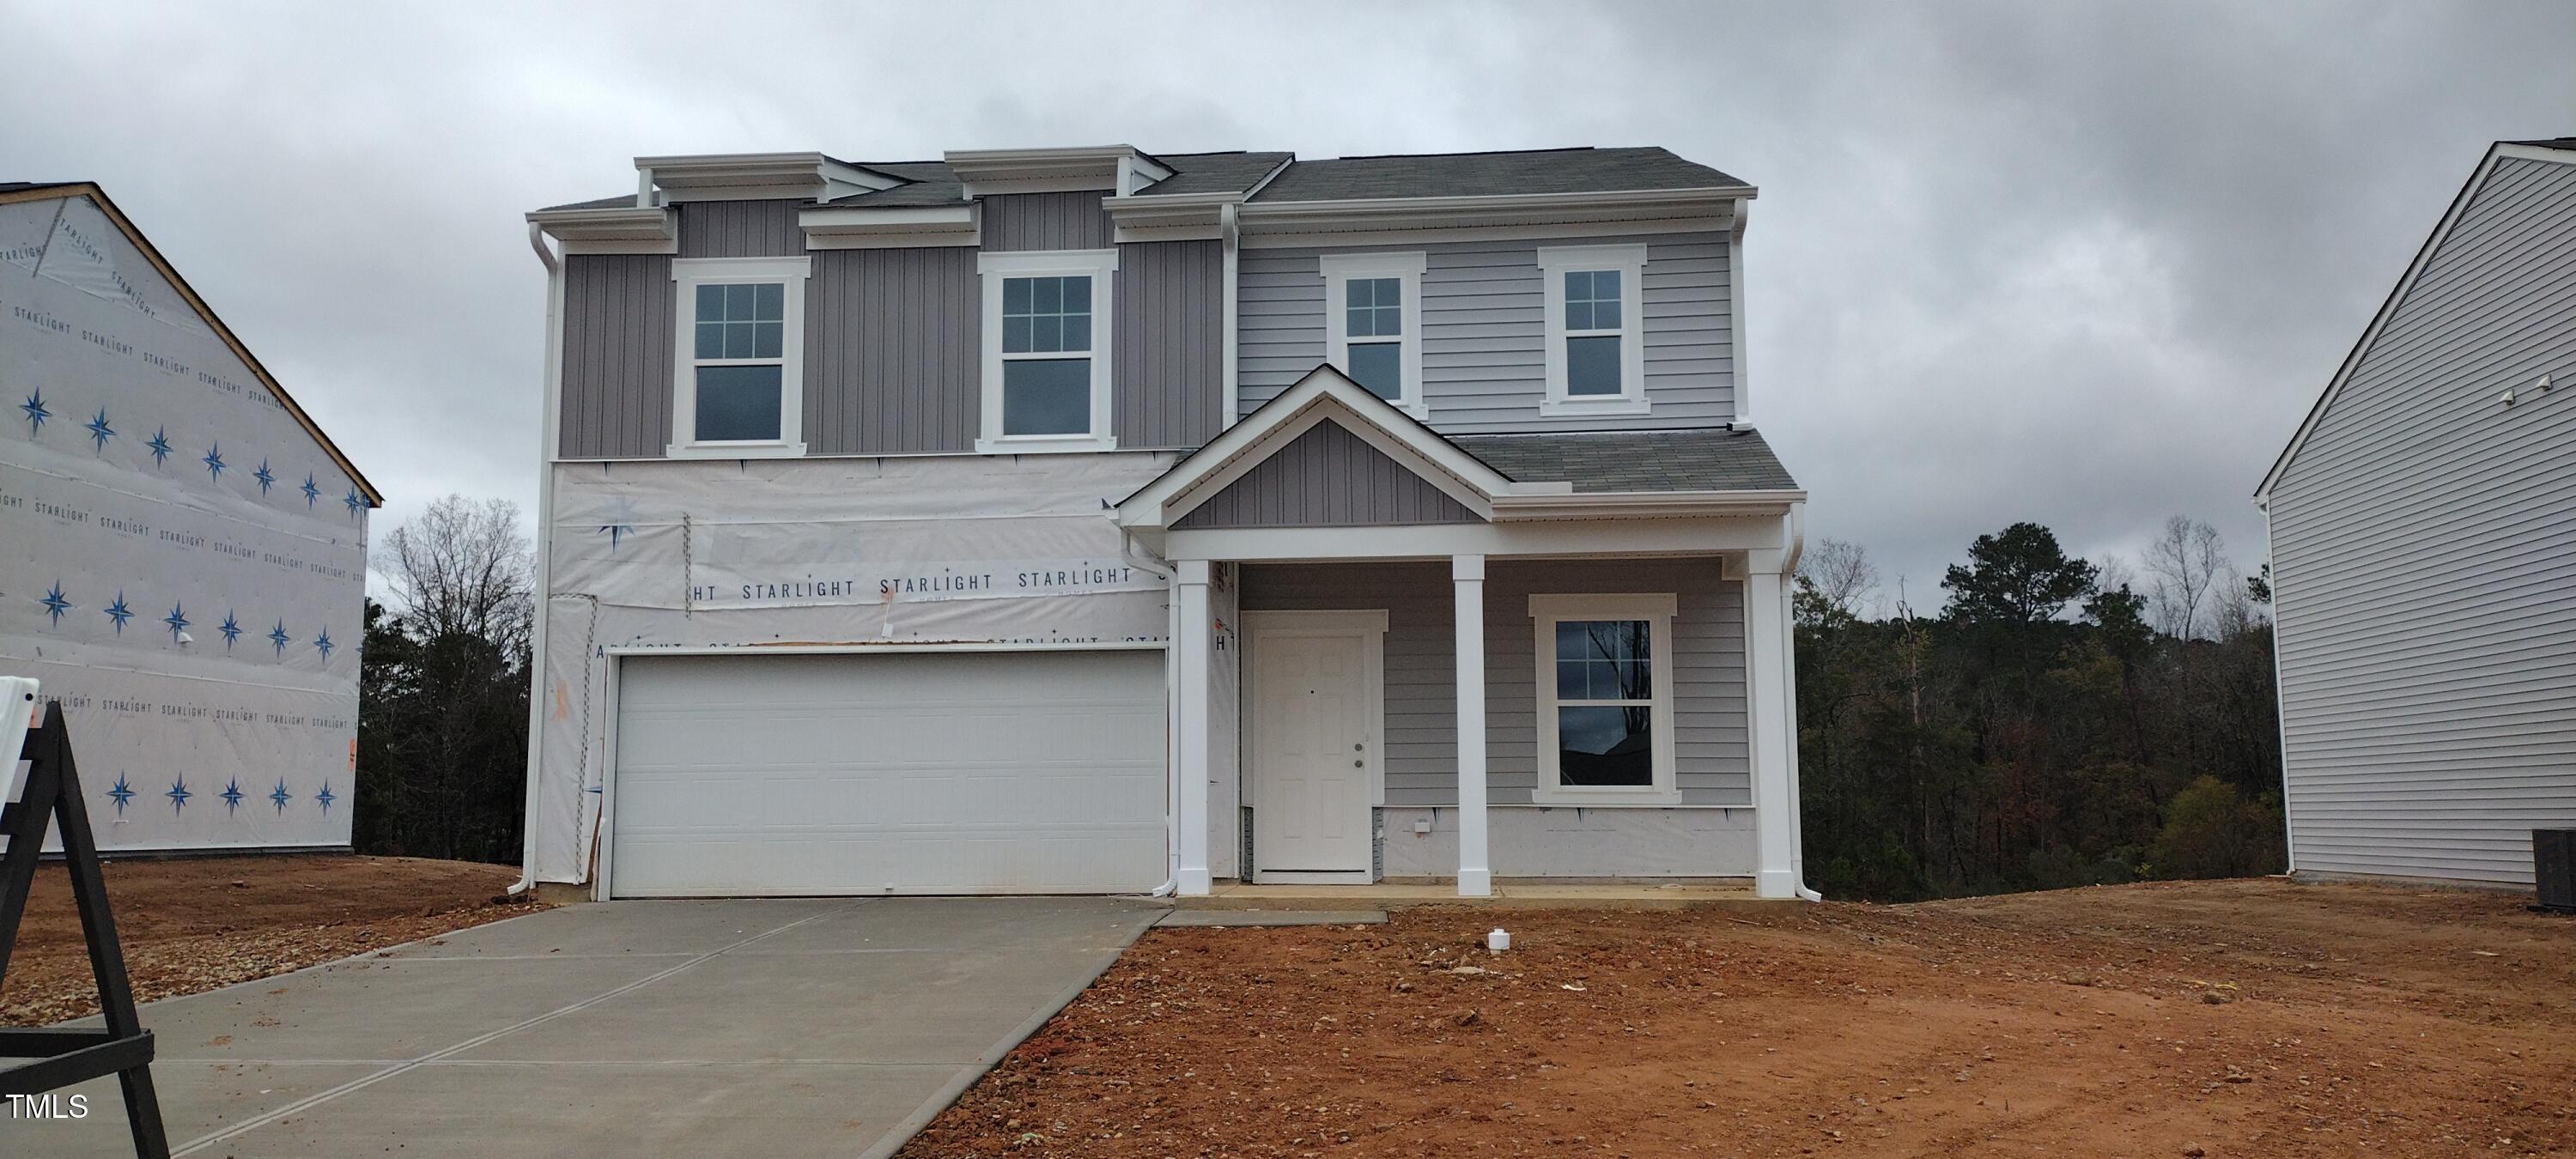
(910, 773)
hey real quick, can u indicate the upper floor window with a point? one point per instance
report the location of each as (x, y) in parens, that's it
(1374, 323)
(739, 390)
(1046, 351)
(1596, 358)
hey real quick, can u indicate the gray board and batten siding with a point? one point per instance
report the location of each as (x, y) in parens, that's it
(892, 336)
(1328, 477)
(1421, 742)
(2424, 562)
(1484, 358)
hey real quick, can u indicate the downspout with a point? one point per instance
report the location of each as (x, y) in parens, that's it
(1743, 396)
(549, 425)
(1230, 234)
(1171, 711)
(2280, 706)
(1797, 829)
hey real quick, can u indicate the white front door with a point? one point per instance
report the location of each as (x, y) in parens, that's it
(1312, 697)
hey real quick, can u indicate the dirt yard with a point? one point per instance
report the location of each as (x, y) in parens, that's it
(2236, 1018)
(198, 923)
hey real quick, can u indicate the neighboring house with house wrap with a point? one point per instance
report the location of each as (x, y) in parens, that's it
(183, 552)
(2423, 536)
(1089, 520)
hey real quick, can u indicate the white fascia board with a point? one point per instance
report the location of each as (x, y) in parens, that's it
(1637, 211)
(753, 176)
(1178, 218)
(829, 228)
(972, 164)
(1323, 393)
(1567, 538)
(616, 229)
(2388, 308)
(1644, 504)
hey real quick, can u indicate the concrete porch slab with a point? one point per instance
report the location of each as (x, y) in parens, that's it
(1522, 893)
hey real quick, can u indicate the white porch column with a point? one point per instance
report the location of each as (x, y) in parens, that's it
(1190, 762)
(1475, 868)
(1770, 696)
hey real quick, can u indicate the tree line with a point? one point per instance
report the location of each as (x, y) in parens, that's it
(2057, 722)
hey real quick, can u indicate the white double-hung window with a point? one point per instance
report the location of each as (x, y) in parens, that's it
(1373, 324)
(1046, 351)
(1605, 699)
(1596, 352)
(739, 391)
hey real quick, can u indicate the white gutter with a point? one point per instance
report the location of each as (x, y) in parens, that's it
(1171, 714)
(1230, 232)
(1797, 830)
(550, 424)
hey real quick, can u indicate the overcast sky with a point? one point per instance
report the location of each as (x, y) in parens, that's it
(2080, 264)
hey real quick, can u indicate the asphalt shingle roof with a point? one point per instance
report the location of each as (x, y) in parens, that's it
(1490, 174)
(1701, 460)
(1213, 172)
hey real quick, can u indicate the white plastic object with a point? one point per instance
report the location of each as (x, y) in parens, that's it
(1498, 941)
(17, 710)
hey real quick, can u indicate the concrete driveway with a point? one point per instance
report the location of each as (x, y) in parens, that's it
(769, 1028)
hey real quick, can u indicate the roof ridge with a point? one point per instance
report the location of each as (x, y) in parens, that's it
(1483, 152)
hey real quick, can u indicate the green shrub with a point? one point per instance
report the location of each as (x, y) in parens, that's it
(2211, 830)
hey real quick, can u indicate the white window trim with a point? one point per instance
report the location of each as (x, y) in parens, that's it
(1338, 270)
(690, 273)
(1101, 266)
(1657, 609)
(1629, 261)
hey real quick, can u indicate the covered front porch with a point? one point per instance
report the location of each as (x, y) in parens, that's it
(1395, 663)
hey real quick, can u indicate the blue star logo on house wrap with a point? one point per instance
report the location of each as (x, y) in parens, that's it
(616, 521)
(325, 796)
(160, 445)
(36, 412)
(232, 796)
(281, 796)
(214, 462)
(230, 628)
(119, 613)
(278, 636)
(120, 793)
(265, 479)
(179, 794)
(55, 604)
(311, 492)
(356, 504)
(324, 643)
(178, 621)
(99, 431)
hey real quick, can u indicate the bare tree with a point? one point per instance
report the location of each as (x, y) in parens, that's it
(2185, 562)
(2238, 608)
(1841, 575)
(462, 567)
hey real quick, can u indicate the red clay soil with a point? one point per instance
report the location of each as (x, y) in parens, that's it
(195, 924)
(2190, 1019)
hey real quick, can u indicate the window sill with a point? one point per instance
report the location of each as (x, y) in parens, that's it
(1607, 405)
(734, 451)
(1656, 798)
(1044, 445)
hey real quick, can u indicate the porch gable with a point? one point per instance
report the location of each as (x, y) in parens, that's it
(1328, 477)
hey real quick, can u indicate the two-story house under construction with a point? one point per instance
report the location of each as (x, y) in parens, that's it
(1088, 520)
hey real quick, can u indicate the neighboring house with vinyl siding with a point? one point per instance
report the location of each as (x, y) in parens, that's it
(2423, 538)
(1091, 520)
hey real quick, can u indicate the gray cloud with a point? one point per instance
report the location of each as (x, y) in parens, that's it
(2084, 264)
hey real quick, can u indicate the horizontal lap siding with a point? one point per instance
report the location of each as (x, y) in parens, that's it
(2423, 552)
(740, 229)
(1484, 363)
(617, 349)
(1169, 360)
(1421, 748)
(892, 359)
(1328, 477)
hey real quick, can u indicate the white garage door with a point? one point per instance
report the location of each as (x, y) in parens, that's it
(980, 772)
